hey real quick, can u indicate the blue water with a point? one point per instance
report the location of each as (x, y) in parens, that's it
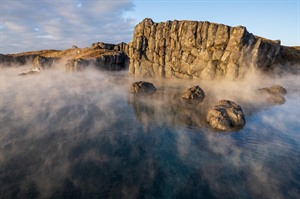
(83, 136)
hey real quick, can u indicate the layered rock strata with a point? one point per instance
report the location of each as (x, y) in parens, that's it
(196, 49)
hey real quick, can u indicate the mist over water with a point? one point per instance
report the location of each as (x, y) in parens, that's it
(82, 135)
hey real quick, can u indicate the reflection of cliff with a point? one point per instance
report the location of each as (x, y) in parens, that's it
(203, 50)
(168, 108)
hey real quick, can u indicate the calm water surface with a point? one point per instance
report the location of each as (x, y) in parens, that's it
(81, 135)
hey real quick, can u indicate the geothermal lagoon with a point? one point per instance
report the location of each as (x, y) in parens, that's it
(83, 135)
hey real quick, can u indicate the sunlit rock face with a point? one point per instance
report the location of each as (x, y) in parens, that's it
(108, 57)
(226, 115)
(195, 49)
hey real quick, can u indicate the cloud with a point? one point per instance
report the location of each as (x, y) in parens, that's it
(33, 25)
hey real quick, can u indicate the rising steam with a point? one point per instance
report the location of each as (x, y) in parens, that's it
(82, 134)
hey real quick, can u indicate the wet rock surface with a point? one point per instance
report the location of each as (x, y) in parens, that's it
(142, 87)
(226, 115)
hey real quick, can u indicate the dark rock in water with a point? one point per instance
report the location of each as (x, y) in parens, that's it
(276, 99)
(194, 93)
(274, 94)
(226, 115)
(31, 72)
(142, 87)
(274, 90)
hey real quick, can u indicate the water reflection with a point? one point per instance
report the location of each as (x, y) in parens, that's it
(166, 107)
(83, 136)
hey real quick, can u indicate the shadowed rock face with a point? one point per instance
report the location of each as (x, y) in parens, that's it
(42, 62)
(196, 49)
(194, 93)
(142, 87)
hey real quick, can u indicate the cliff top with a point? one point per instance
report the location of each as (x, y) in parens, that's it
(71, 53)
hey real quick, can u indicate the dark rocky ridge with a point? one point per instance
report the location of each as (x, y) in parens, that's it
(73, 58)
(205, 50)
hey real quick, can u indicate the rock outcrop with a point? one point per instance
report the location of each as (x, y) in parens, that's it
(194, 93)
(42, 62)
(116, 47)
(226, 115)
(33, 71)
(142, 87)
(196, 49)
(274, 94)
(73, 58)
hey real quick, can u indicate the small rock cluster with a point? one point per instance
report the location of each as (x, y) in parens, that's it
(225, 115)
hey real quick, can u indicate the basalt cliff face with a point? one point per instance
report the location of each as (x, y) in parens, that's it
(204, 50)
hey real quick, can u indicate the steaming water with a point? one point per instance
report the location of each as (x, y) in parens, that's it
(81, 135)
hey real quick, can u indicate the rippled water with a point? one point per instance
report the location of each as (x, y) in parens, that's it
(81, 135)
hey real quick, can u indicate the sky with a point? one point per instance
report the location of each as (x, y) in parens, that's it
(27, 25)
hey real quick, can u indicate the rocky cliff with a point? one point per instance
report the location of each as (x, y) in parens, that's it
(205, 50)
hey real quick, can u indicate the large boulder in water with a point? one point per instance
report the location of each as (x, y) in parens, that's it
(142, 87)
(226, 115)
(194, 93)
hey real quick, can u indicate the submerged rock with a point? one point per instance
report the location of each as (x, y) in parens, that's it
(31, 72)
(194, 93)
(226, 115)
(274, 94)
(142, 87)
(274, 90)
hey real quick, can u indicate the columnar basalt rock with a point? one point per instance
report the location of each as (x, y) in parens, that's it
(196, 49)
